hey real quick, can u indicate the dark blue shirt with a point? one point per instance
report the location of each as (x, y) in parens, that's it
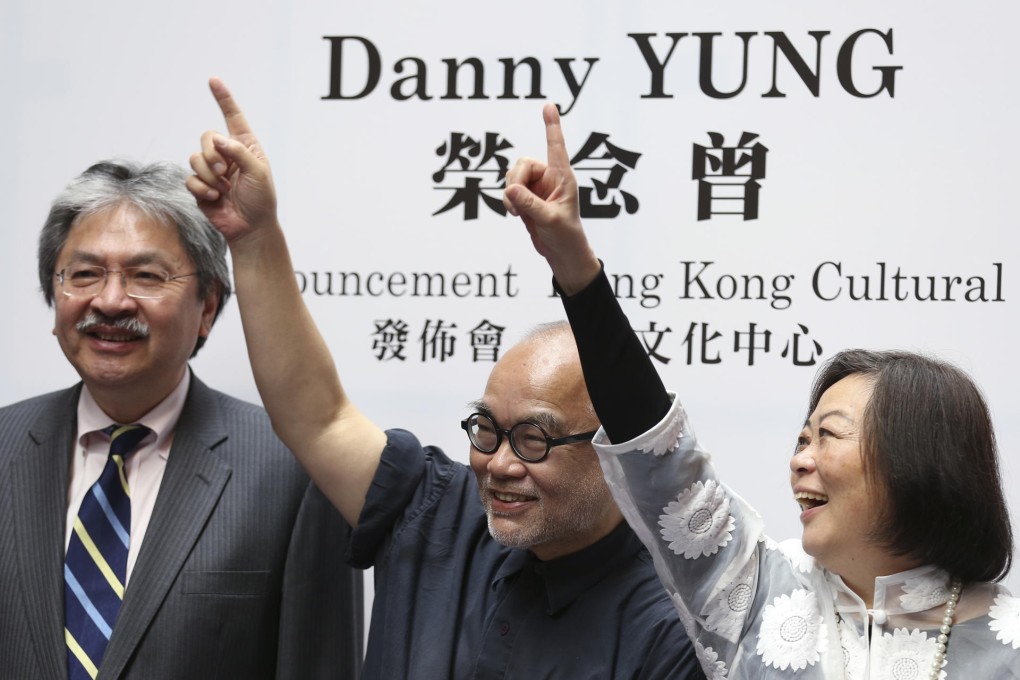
(452, 603)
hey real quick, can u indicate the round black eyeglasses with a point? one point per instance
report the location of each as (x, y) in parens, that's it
(529, 441)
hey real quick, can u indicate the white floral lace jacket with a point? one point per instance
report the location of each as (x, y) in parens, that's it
(760, 609)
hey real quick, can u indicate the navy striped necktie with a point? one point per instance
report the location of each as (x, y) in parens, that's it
(95, 567)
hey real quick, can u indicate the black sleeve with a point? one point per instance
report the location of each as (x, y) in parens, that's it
(625, 389)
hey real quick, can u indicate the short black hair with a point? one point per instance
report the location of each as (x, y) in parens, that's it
(929, 451)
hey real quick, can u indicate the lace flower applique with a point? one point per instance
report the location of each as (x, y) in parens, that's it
(698, 522)
(792, 633)
(906, 655)
(710, 663)
(794, 551)
(667, 440)
(924, 592)
(726, 611)
(1005, 620)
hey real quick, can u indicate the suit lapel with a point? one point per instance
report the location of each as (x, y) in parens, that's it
(191, 487)
(39, 480)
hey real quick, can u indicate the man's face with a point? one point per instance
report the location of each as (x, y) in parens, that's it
(559, 505)
(130, 352)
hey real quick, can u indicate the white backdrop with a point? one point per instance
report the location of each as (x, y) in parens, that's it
(918, 179)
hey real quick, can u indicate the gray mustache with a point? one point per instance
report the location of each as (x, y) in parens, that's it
(124, 323)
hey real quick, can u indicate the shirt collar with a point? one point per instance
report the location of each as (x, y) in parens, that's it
(161, 419)
(566, 577)
(907, 592)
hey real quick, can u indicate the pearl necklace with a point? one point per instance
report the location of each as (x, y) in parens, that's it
(941, 642)
(947, 625)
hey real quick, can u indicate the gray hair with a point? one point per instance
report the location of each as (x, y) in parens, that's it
(158, 191)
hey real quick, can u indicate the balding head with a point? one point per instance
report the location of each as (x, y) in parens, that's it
(548, 354)
(561, 504)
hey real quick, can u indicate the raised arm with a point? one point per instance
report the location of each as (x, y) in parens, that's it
(627, 393)
(294, 371)
(544, 196)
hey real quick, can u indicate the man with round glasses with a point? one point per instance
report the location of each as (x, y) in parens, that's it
(207, 552)
(519, 566)
(528, 440)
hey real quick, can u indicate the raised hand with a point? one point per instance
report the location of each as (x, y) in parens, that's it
(232, 180)
(294, 371)
(544, 195)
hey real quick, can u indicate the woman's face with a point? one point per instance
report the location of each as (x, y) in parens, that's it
(838, 509)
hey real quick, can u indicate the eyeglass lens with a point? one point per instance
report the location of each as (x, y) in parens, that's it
(528, 440)
(85, 279)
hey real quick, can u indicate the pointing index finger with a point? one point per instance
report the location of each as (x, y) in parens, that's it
(557, 147)
(237, 124)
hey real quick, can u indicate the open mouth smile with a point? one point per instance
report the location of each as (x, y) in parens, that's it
(506, 497)
(111, 337)
(809, 501)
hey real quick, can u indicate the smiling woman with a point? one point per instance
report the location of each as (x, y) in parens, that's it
(928, 452)
(829, 468)
(896, 473)
(905, 524)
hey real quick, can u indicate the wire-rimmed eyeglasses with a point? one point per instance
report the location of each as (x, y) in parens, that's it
(88, 280)
(529, 441)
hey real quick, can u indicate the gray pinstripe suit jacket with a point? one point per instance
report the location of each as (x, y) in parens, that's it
(241, 575)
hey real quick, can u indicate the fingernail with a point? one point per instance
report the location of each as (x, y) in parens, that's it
(219, 168)
(212, 194)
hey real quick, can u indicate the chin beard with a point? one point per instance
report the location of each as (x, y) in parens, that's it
(512, 537)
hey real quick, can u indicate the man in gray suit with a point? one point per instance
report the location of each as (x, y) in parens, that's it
(234, 562)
